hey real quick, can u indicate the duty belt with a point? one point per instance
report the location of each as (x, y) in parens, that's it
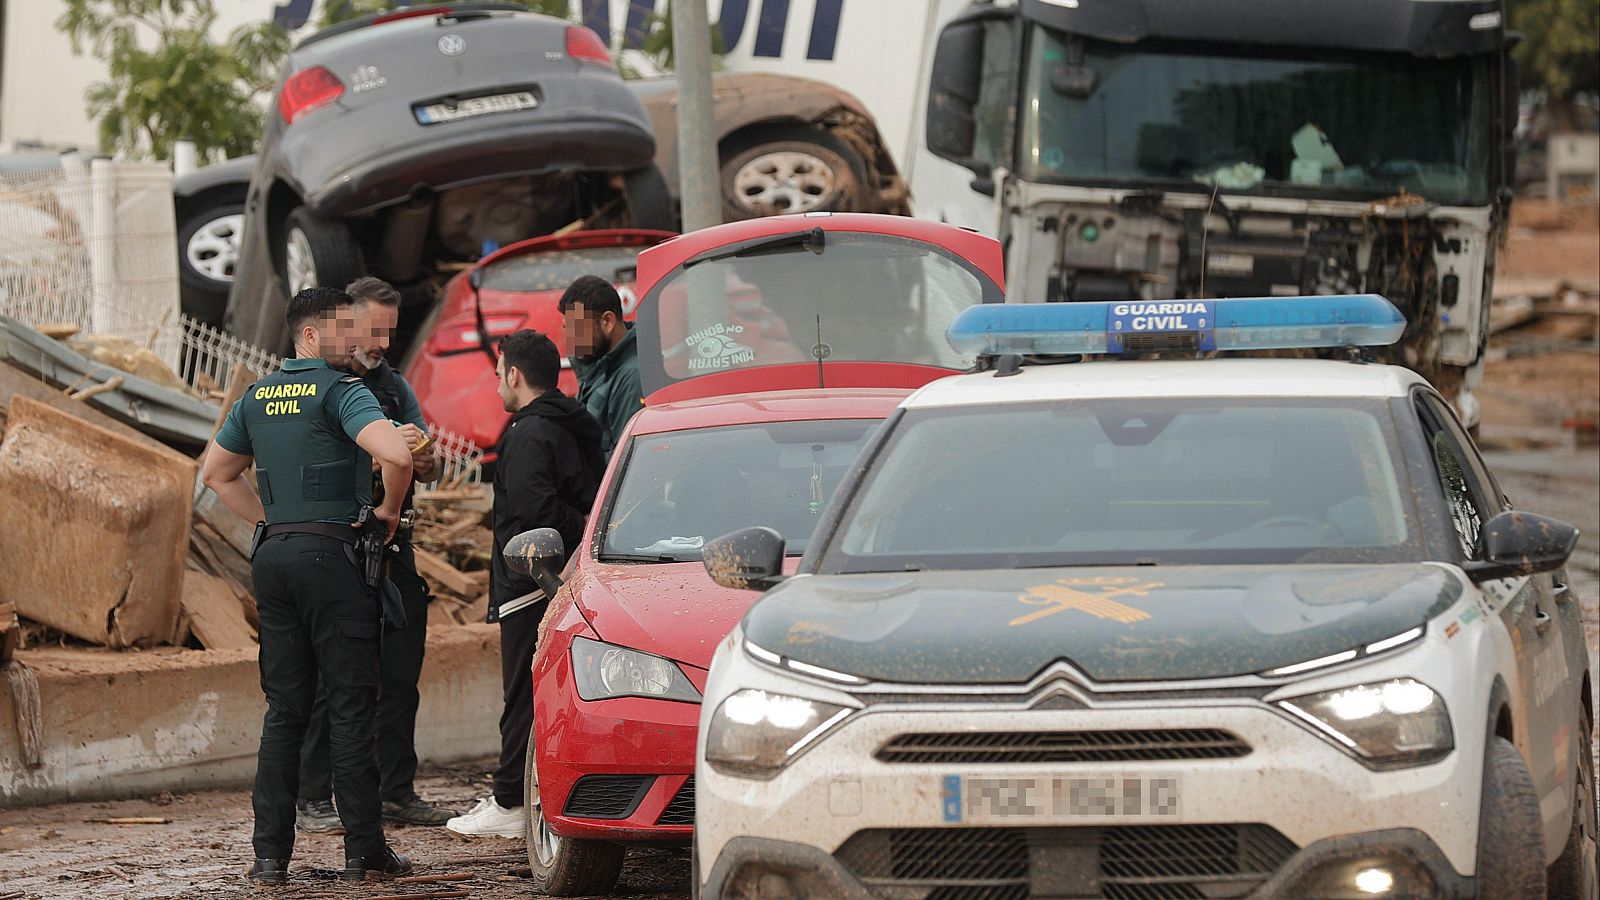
(333, 530)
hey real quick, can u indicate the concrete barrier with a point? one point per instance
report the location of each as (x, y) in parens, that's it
(116, 725)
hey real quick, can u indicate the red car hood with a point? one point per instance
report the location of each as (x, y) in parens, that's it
(673, 610)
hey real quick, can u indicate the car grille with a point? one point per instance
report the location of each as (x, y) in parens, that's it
(1125, 862)
(681, 810)
(1064, 746)
(607, 796)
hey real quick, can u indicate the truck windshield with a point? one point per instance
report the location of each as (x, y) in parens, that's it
(1230, 481)
(683, 488)
(1313, 125)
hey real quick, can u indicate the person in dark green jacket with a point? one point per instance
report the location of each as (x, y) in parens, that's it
(605, 355)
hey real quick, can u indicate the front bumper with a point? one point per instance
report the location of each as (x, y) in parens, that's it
(1291, 806)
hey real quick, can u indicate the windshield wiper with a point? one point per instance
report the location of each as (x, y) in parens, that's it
(813, 239)
(642, 558)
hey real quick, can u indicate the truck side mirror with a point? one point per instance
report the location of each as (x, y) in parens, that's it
(953, 90)
(539, 554)
(750, 559)
(1519, 543)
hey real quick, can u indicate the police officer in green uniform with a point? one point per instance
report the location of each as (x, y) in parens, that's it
(312, 432)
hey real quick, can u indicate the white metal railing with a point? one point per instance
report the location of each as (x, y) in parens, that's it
(460, 461)
(208, 356)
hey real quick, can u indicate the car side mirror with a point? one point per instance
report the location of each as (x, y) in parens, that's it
(952, 125)
(539, 554)
(747, 560)
(1520, 543)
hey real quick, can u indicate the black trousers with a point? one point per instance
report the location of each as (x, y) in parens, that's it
(518, 635)
(318, 623)
(399, 668)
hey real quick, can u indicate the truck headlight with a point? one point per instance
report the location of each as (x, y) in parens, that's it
(604, 672)
(1391, 723)
(756, 734)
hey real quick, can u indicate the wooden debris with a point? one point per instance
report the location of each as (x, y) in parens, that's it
(110, 384)
(10, 631)
(59, 331)
(24, 686)
(449, 496)
(131, 820)
(431, 895)
(215, 614)
(437, 569)
(433, 879)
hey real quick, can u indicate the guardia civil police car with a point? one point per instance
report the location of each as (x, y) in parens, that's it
(1217, 627)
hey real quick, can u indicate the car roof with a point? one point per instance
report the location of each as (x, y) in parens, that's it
(1152, 379)
(770, 406)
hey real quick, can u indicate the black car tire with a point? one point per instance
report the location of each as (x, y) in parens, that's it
(320, 248)
(1576, 873)
(564, 867)
(649, 200)
(201, 233)
(1510, 829)
(793, 161)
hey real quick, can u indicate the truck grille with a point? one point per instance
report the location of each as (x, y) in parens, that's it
(1126, 862)
(681, 810)
(607, 796)
(1064, 746)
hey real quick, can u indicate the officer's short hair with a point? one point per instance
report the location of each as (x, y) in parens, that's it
(314, 303)
(595, 293)
(376, 290)
(534, 355)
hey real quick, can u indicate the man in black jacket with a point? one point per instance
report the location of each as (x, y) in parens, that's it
(548, 470)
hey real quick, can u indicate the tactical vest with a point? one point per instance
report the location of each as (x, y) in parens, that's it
(307, 468)
(385, 385)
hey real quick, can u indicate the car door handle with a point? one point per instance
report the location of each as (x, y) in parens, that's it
(1541, 620)
(1562, 591)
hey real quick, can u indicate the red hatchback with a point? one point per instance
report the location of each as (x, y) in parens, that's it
(517, 286)
(770, 350)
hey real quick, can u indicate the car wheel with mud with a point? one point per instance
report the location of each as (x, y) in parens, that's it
(1576, 873)
(318, 252)
(1510, 843)
(789, 169)
(564, 867)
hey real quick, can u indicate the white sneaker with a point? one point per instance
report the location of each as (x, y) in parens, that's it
(489, 819)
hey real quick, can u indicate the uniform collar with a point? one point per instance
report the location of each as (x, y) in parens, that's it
(304, 365)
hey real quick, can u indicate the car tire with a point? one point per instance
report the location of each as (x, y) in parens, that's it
(1576, 873)
(649, 200)
(318, 252)
(564, 867)
(789, 169)
(694, 869)
(208, 247)
(1510, 829)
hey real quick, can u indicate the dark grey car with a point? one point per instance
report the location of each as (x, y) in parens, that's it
(399, 143)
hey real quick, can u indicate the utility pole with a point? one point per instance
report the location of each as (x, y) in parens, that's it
(697, 146)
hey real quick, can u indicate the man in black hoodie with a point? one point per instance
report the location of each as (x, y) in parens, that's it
(548, 470)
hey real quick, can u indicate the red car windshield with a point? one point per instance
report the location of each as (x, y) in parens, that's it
(856, 297)
(553, 270)
(682, 488)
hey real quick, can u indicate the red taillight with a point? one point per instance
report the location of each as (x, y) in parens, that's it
(306, 90)
(461, 335)
(586, 46)
(397, 15)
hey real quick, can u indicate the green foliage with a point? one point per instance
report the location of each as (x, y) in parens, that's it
(1561, 47)
(168, 81)
(658, 40)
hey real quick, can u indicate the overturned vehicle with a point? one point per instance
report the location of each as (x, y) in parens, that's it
(1159, 149)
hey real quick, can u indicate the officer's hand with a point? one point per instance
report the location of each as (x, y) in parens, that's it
(414, 436)
(391, 522)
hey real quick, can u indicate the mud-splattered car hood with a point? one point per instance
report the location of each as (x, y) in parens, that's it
(1114, 624)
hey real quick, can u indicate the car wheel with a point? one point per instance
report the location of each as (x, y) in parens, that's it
(318, 252)
(694, 869)
(1510, 842)
(1576, 874)
(208, 248)
(564, 867)
(649, 200)
(789, 169)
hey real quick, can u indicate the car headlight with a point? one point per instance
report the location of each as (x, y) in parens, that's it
(1389, 723)
(756, 734)
(605, 671)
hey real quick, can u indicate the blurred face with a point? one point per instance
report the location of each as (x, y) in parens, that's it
(336, 336)
(588, 335)
(376, 331)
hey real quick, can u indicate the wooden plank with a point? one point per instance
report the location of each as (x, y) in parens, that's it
(438, 569)
(215, 615)
(10, 631)
(218, 559)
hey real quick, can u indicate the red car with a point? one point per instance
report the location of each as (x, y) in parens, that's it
(769, 351)
(518, 286)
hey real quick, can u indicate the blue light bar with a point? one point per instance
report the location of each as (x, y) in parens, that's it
(1132, 326)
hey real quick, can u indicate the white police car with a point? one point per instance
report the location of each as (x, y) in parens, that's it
(1156, 629)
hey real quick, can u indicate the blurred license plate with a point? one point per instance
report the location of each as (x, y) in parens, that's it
(476, 106)
(972, 800)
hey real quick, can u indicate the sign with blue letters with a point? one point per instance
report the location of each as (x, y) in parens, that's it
(1138, 317)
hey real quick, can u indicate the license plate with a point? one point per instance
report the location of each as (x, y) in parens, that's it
(968, 799)
(435, 113)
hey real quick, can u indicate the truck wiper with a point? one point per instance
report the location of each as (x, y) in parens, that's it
(813, 239)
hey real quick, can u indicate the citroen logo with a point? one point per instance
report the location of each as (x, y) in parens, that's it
(452, 45)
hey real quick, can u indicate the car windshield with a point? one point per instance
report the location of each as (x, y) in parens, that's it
(553, 270)
(853, 298)
(1126, 482)
(1310, 125)
(683, 488)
